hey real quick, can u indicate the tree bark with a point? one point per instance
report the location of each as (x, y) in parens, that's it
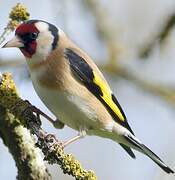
(21, 145)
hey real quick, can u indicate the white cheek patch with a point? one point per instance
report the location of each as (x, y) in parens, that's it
(44, 44)
(44, 41)
(42, 26)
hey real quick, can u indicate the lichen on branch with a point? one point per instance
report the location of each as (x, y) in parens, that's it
(50, 146)
(21, 145)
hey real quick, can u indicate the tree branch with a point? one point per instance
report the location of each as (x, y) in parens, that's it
(106, 30)
(50, 146)
(162, 91)
(159, 38)
(21, 145)
(113, 67)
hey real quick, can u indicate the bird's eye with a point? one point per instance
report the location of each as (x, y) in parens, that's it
(33, 35)
(29, 37)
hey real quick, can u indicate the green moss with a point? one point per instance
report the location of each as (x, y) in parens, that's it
(9, 97)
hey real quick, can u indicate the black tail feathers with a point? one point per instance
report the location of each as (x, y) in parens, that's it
(142, 148)
(128, 150)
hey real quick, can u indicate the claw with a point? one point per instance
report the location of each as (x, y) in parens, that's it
(51, 140)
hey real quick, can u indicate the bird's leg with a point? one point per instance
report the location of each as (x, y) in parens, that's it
(81, 134)
(57, 123)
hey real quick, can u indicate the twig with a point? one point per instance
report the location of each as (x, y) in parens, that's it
(106, 30)
(11, 63)
(17, 15)
(165, 93)
(159, 38)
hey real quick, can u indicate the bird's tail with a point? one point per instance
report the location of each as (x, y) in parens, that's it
(136, 144)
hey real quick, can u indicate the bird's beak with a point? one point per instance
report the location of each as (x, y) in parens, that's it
(15, 42)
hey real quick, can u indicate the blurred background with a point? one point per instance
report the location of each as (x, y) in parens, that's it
(133, 43)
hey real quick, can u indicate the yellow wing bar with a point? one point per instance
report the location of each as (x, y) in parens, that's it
(107, 96)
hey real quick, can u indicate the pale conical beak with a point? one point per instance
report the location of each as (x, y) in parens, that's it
(15, 42)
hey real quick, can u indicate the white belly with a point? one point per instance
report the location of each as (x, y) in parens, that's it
(70, 109)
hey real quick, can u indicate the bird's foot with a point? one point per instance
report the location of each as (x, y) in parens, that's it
(51, 139)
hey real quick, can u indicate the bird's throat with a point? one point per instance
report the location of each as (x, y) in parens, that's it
(29, 49)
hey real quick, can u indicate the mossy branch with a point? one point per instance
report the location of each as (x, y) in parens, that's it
(22, 146)
(49, 145)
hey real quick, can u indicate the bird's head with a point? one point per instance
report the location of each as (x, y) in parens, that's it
(35, 38)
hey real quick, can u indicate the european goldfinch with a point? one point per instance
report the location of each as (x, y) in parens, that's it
(73, 88)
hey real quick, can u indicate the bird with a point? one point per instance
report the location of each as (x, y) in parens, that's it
(73, 88)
